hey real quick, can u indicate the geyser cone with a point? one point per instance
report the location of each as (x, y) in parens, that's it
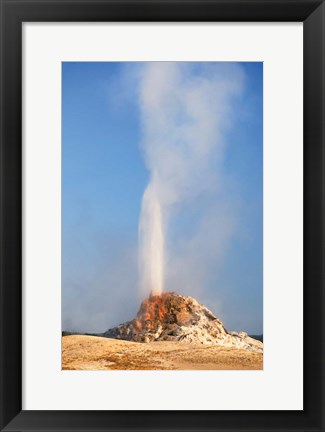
(173, 317)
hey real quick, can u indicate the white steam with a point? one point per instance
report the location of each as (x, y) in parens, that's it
(152, 242)
(185, 109)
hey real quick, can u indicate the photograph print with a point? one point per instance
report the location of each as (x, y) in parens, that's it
(162, 215)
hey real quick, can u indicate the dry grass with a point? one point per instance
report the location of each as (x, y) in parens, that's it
(96, 353)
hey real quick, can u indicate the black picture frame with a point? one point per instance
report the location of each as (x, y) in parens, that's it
(16, 12)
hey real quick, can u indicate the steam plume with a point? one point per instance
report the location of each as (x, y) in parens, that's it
(185, 108)
(152, 242)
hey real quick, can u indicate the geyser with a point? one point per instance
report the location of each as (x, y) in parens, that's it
(184, 110)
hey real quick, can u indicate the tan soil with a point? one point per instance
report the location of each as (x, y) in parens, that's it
(98, 353)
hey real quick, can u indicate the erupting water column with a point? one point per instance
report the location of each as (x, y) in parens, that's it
(151, 238)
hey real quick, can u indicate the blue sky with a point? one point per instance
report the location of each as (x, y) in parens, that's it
(104, 175)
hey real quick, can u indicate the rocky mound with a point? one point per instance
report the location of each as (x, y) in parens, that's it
(173, 317)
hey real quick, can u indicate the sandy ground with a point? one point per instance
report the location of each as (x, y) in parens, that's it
(97, 353)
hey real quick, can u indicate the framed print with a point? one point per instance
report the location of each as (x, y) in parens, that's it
(162, 216)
